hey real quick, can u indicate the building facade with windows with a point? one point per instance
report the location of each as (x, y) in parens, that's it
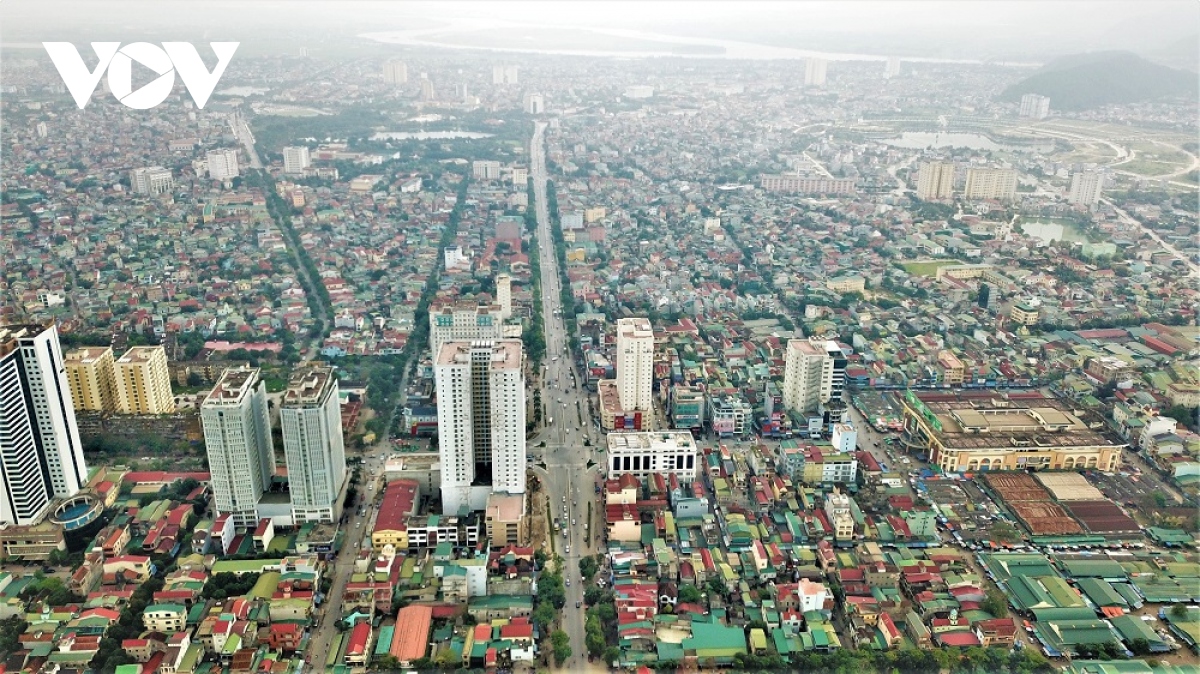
(237, 438)
(481, 421)
(41, 455)
(311, 419)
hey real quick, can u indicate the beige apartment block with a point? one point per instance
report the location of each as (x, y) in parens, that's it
(143, 382)
(91, 374)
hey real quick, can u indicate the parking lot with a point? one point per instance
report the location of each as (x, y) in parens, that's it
(879, 408)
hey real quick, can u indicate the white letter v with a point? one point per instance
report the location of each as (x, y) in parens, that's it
(196, 78)
(74, 73)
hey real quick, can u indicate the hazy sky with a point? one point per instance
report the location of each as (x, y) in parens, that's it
(1011, 27)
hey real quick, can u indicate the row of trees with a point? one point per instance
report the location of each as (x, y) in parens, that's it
(550, 599)
(315, 292)
(534, 339)
(566, 297)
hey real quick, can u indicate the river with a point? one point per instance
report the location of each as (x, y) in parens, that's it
(732, 49)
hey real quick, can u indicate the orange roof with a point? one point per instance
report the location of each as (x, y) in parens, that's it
(410, 639)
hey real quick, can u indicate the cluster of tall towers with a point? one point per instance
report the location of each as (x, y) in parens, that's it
(236, 419)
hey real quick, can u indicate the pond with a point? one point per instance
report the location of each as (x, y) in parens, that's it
(428, 135)
(1049, 232)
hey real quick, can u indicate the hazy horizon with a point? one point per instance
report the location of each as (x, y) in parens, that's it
(981, 29)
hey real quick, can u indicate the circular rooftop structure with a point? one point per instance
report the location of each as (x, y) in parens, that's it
(77, 512)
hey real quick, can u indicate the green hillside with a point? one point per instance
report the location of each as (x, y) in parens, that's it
(1082, 81)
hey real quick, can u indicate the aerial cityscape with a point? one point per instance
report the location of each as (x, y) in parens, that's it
(599, 336)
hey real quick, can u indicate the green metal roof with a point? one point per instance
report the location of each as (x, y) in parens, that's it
(1101, 593)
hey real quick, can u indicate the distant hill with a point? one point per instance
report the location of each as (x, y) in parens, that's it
(1082, 81)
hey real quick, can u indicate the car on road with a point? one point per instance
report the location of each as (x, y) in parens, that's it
(578, 604)
(568, 580)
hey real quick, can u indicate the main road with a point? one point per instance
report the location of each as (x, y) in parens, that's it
(355, 527)
(571, 467)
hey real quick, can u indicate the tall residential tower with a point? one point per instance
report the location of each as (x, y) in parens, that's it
(481, 421)
(92, 375)
(936, 181)
(311, 419)
(814, 374)
(237, 437)
(635, 367)
(143, 382)
(41, 456)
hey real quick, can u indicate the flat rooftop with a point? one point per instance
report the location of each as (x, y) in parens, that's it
(635, 327)
(87, 355)
(9, 334)
(610, 398)
(656, 440)
(505, 507)
(807, 348)
(505, 353)
(140, 354)
(459, 306)
(309, 385)
(233, 386)
(988, 419)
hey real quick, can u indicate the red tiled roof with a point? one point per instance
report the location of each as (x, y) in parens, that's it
(958, 639)
(358, 638)
(398, 499)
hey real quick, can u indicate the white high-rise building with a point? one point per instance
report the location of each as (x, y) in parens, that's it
(535, 103)
(222, 164)
(504, 295)
(991, 183)
(464, 322)
(1035, 107)
(1086, 187)
(936, 181)
(482, 169)
(395, 72)
(814, 72)
(804, 376)
(893, 67)
(635, 367)
(237, 438)
(504, 74)
(481, 421)
(814, 373)
(41, 456)
(311, 419)
(42, 130)
(296, 158)
(151, 180)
